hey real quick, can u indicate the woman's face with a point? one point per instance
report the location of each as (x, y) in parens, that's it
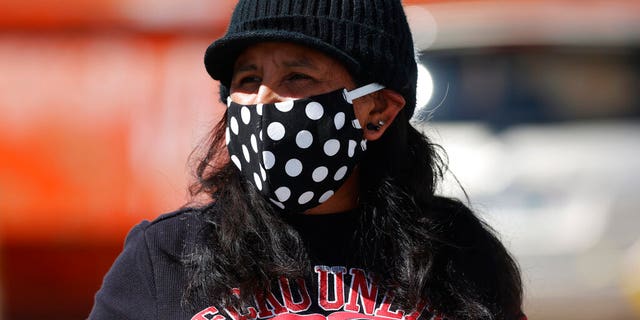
(272, 72)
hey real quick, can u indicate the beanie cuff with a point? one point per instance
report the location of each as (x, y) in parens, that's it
(220, 56)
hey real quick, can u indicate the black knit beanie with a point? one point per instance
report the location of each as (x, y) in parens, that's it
(370, 37)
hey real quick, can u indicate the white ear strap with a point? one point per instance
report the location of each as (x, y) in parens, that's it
(349, 96)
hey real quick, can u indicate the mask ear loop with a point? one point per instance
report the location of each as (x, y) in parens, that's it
(349, 96)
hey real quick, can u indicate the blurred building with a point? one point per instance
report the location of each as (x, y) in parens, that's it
(537, 104)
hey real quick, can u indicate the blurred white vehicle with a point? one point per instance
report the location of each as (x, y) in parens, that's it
(537, 105)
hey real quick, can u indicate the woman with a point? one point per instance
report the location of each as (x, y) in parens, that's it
(322, 203)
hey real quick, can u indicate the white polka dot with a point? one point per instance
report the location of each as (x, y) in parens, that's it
(259, 109)
(304, 139)
(352, 148)
(269, 159)
(283, 194)
(280, 205)
(254, 143)
(314, 110)
(263, 173)
(257, 180)
(284, 106)
(234, 125)
(363, 145)
(319, 174)
(340, 173)
(236, 161)
(339, 120)
(261, 136)
(325, 196)
(245, 151)
(245, 114)
(275, 131)
(305, 197)
(293, 167)
(227, 136)
(228, 101)
(331, 147)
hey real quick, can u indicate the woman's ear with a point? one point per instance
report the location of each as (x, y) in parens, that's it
(388, 104)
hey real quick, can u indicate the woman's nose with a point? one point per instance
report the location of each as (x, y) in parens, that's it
(267, 95)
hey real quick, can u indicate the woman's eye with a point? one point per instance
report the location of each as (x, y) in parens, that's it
(249, 80)
(298, 76)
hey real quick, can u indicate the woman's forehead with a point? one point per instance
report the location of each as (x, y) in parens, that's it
(283, 54)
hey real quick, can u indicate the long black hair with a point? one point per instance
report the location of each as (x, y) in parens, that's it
(422, 245)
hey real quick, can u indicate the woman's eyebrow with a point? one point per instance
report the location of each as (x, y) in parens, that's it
(245, 67)
(303, 62)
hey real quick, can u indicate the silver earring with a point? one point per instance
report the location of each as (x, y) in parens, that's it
(375, 127)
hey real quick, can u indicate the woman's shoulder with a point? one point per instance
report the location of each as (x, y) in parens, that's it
(469, 254)
(186, 217)
(143, 278)
(171, 232)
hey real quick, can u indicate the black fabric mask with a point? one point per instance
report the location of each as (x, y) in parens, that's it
(297, 153)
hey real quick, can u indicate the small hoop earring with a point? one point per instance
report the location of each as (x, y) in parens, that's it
(375, 127)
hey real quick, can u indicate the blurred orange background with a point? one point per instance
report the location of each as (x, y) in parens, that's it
(101, 103)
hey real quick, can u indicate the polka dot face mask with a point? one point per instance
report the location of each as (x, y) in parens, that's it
(297, 153)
